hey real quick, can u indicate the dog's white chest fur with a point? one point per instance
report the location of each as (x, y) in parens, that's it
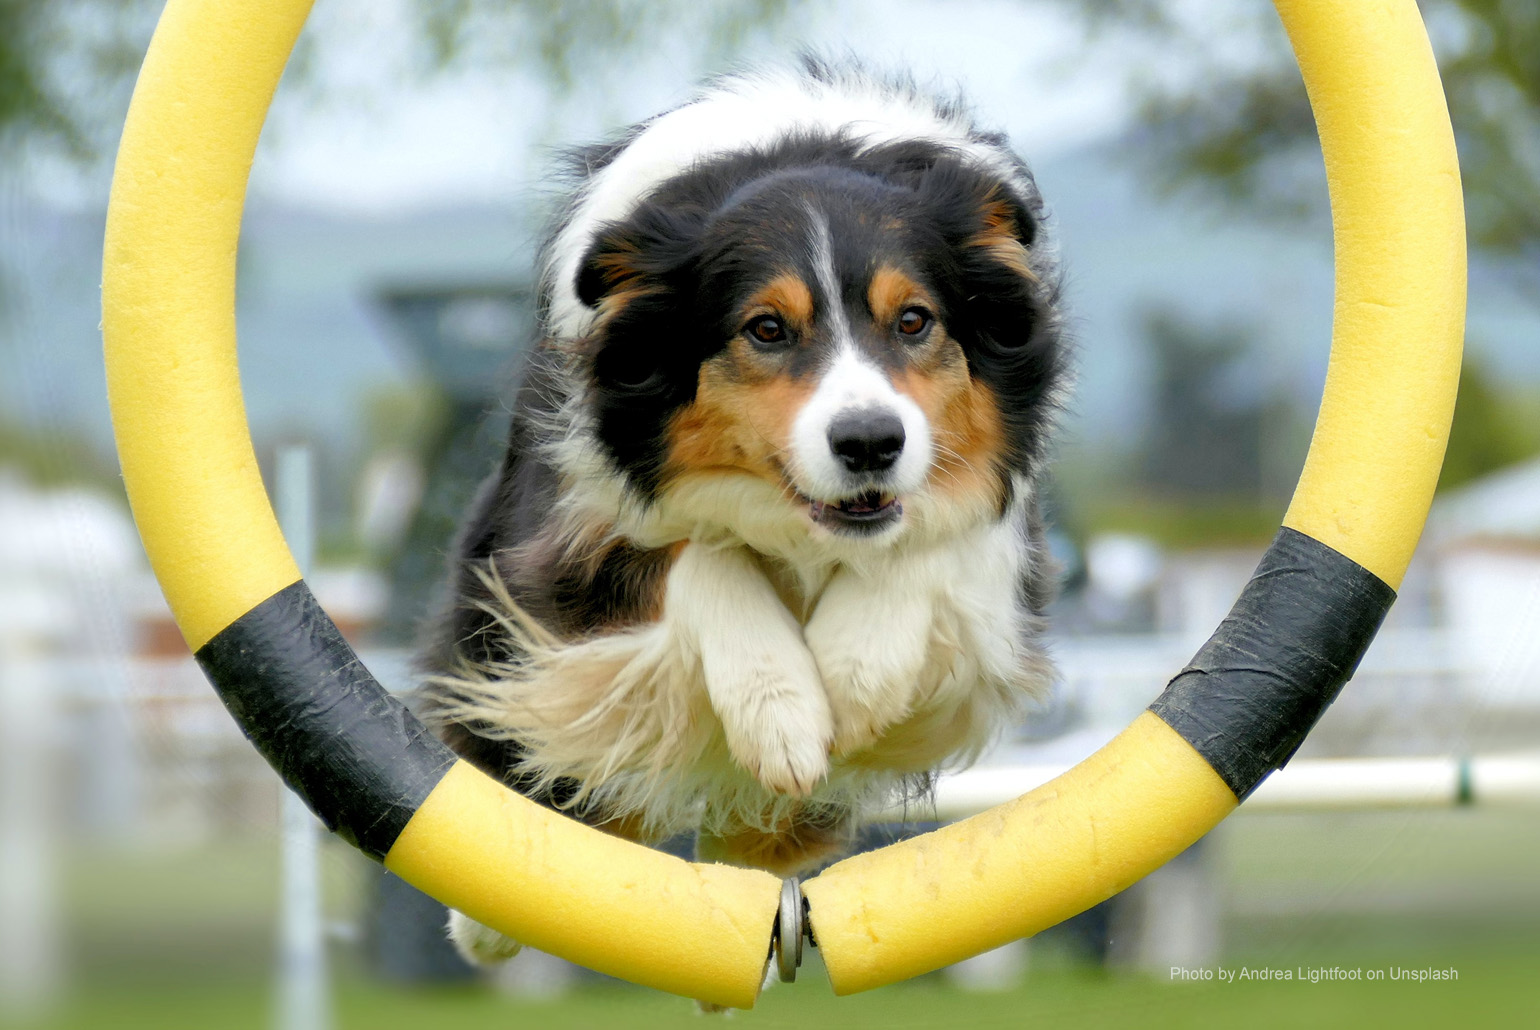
(925, 642)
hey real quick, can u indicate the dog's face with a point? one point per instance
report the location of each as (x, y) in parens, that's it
(851, 335)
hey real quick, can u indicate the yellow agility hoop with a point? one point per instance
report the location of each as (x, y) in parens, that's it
(376, 777)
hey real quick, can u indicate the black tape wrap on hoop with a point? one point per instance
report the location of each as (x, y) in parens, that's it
(361, 761)
(1250, 695)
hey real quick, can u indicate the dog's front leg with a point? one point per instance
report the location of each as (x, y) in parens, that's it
(762, 682)
(870, 635)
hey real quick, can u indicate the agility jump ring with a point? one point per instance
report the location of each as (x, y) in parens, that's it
(378, 778)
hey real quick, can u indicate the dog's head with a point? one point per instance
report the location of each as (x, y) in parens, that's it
(855, 328)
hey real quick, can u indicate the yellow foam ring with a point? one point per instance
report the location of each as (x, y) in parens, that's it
(168, 308)
(1399, 317)
(702, 931)
(1018, 868)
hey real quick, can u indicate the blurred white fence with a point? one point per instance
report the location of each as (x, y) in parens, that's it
(148, 744)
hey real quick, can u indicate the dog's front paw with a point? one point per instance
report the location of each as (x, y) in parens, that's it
(870, 657)
(777, 724)
(762, 682)
(480, 945)
(864, 701)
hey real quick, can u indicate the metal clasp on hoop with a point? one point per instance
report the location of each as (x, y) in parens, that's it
(791, 926)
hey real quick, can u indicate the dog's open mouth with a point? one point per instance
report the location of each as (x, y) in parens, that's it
(864, 512)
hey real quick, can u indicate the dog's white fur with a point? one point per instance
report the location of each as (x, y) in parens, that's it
(854, 383)
(727, 711)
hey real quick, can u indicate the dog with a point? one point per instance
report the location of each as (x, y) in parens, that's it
(765, 549)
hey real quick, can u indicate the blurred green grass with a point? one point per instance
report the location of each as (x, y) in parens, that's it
(183, 937)
(1489, 994)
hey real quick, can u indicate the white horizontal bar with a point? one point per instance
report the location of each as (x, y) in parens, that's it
(1323, 784)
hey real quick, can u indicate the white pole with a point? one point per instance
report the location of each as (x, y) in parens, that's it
(31, 948)
(303, 1002)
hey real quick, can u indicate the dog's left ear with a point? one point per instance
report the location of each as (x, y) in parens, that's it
(1006, 228)
(1000, 299)
(989, 229)
(997, 285)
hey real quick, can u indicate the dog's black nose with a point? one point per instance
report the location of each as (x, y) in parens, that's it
(867, 440)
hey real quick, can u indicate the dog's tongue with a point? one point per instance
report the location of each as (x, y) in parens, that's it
(863, 505)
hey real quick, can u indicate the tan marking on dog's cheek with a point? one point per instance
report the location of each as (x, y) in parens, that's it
(935, 375)
(965, 425)
(736, 423)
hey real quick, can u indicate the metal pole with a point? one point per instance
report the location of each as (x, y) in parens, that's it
(303, 1002)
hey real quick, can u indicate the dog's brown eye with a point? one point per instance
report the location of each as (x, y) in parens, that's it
(766, 330)
(913, 321)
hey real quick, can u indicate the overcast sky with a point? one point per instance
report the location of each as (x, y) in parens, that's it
(367, 133)
(376, 143)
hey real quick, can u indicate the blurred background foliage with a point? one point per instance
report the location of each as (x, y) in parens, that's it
(65, 65)
(1233, 118)
(1234, 123)
(1236, 118)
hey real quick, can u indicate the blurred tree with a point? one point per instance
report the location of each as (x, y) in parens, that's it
(1222, 105)
(66, 65)
(53, 456)
(1213, 411)
(565, 39)
(25, 105)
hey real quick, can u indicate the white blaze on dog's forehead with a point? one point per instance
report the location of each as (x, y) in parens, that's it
(822, 253)
(739, 114)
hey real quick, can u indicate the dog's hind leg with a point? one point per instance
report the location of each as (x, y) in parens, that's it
(477, 944)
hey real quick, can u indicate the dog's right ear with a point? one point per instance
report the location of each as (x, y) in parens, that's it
(646, 251)
(602, 270)
(590, 279)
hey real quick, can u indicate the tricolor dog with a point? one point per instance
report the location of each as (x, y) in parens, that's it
(765, 548)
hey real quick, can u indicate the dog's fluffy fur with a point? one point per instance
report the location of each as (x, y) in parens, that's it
(765, 547)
